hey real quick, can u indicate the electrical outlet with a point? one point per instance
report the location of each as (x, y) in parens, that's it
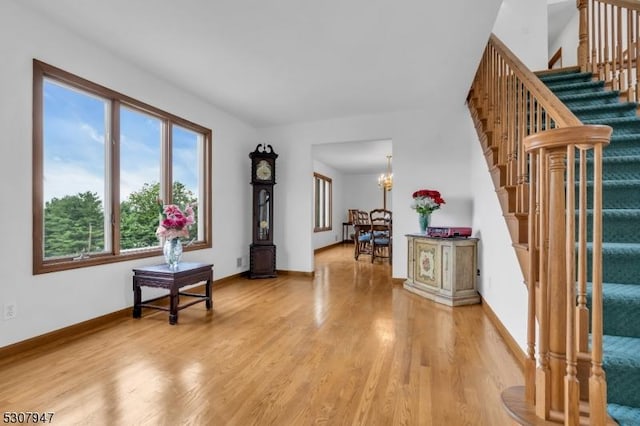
(239, 262)
(10, 311)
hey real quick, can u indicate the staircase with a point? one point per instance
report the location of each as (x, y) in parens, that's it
(592, 103)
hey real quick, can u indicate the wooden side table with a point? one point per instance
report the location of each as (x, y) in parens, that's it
(160, 276)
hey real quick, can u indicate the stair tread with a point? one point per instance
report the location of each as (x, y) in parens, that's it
(625, 137)
(613, 106)
(613, 120)
(611, 183)
(576, 86)
(567, 97)
(618, 248)
(624, 414)
(622, 349)
(618, 213)
(619, 159)
(565, 76)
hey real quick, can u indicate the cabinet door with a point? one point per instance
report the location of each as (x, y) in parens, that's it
(427, 263)
(410, 260)
(447, 271)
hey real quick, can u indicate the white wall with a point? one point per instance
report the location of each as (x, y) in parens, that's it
(568, 40)
(429, 151)
(523, 26)
(501, 281)
(55, 300)
(363, 193)
(326, 238)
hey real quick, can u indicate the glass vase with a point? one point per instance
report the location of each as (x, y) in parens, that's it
(424, 219)
(172, 252)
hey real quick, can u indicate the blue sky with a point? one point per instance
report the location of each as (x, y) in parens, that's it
(74, 154)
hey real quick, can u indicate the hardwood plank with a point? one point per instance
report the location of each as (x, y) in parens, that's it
(346, 346)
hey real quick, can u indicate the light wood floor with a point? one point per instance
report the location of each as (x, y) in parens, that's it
(344, 347)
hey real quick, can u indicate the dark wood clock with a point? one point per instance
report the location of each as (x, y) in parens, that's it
(262, 252)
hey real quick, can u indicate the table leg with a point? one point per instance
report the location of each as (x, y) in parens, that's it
(137, 299)
(207, 287)
(174, 300)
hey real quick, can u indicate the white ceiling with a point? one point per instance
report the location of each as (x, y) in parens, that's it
(358, 157)
(271, 62)
(276, 62)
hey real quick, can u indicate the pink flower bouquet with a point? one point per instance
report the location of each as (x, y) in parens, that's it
(174, 223)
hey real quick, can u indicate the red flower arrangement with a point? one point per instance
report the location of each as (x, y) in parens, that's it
(425, 201)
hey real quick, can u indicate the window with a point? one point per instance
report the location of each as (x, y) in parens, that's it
(322, 203)
(101, 162)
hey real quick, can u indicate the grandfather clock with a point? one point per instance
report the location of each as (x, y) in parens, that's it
(262, 252)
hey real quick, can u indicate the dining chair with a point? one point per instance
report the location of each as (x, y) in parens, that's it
(382, 234)
(362, 233)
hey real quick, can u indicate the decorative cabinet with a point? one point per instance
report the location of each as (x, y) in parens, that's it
(442, 269)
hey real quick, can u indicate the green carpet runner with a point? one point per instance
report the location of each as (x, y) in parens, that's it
(593, 104)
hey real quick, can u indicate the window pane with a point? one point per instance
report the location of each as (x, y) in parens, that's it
(322, 202)
(140, 159)
(74, 167)
(187, 169)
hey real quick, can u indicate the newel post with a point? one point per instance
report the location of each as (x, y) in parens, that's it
(583, 35)
(552, 174)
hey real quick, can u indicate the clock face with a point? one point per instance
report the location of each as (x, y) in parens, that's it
(263, 170)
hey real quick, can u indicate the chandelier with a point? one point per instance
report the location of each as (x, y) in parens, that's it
(385, 180)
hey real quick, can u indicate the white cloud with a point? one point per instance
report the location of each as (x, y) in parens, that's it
(63, 179)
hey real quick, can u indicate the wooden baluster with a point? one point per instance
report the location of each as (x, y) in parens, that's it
(607, 63)
(583, 36)
(485, 84)
(593, 37)
(489, 92)
(582, 311)
(534, 209)
(636, 55)
(597, 380)
(543, 376)
(504, 119)
(522, 157)
(619, 48)
(539, 110)
(628, 88)
(571, 384)
(511, 133)
(599, 53)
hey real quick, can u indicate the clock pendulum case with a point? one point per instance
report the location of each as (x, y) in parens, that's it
(262, 252)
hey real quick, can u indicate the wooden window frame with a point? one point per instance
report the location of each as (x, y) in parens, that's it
(328, 200)
(42, 71)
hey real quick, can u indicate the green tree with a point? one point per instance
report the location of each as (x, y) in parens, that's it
(73, 224)
(140, 213)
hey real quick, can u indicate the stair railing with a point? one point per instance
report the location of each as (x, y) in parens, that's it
(609, 43)
(530, 137)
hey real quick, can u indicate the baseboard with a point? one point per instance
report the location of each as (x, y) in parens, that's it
(78, 330)
(513, 346)
(330, 246)
(64, 334)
